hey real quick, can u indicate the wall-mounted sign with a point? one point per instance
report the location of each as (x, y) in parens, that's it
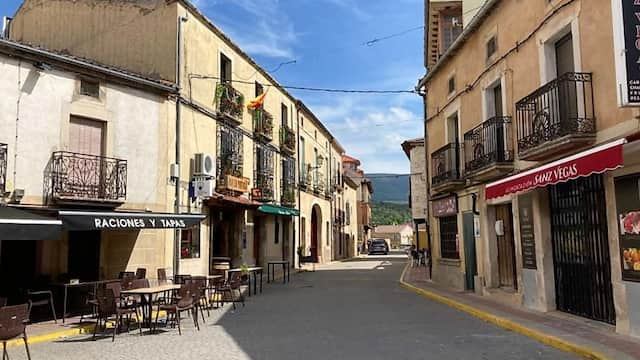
(445, 207)
(234, 183)
(527, 238)
(256, 193)
(88, 220)
(628, 209)
(626, 20)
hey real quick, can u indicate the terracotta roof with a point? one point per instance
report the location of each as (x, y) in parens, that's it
(349, 159)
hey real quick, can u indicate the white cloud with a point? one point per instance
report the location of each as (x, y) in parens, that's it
(271, 33)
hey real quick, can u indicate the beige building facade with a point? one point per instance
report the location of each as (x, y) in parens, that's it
(260, 180)
(515, 214)
(70, 152)
(418, 200)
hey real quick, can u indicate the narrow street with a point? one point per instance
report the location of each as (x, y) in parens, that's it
(349, 310)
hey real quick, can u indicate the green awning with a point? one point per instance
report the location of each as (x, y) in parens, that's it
(278, 210)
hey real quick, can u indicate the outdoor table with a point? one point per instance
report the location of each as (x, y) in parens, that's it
(271, 270)
(252, 270)
(66, 287)
(146, 294)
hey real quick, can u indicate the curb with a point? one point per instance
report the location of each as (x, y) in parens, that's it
(85, 329)
(506, 323)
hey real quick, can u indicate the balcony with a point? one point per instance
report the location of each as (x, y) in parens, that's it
(230, 102)
(445, 167)
(3, 169)
(306, 177)
(87, 178)
(488, 149)
(263, 125)
(287, 140)
(328, 192)
(288, 197)
(318, 183)
(263, 188)
(556, 118)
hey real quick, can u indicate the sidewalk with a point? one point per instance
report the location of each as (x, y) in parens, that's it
(579, 336)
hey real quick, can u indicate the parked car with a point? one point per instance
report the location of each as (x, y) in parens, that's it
(379, 246)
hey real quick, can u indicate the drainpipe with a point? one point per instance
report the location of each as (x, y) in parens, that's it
(176, 233)
(300, 234)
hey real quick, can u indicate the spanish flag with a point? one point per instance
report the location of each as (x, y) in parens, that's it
(257, 102)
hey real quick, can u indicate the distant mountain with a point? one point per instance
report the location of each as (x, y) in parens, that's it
(390, 188)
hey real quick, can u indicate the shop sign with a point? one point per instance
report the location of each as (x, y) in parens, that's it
(122, 221)
(527, 237)
(628, 211)
(234, 183)
(626, 15)
(445, 207)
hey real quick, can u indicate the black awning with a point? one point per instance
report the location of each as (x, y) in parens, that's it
(18, 224)
(90, 220)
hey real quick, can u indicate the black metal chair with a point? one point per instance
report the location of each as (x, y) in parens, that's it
(108, 307)
(13, 324)
(141, 273)
(185, 301)
(39, 299)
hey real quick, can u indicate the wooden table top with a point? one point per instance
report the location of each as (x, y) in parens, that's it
(151, 290)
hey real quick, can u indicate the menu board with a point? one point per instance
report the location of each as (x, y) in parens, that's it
(628, 210)
(527, 238)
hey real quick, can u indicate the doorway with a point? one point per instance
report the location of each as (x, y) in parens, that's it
(83, 261)
(579, 236)
(506, 247)
(314, 234)
(471, 269)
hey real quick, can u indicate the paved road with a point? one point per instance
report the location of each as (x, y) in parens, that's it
(351, 310)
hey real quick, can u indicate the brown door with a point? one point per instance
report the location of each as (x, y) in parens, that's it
(314, 235)
(86, 172)
(564, 55)
(567, 113)
(506, 248)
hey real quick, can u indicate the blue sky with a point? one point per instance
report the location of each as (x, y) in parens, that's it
(326, 39)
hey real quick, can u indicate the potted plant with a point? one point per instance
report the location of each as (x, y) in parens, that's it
(244, 272)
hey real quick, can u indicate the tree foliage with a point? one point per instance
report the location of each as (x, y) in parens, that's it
(384, 213)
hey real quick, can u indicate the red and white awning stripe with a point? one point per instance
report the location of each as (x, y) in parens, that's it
(593, 161)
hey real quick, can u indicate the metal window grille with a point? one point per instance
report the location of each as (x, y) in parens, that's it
(230, 156)
(449, 237)
(263, 172)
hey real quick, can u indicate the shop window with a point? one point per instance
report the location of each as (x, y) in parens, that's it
(449, 237)
(190, 243)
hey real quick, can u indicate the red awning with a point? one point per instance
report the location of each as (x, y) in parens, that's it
(593, 161)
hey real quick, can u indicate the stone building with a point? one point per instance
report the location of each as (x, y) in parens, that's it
(532, 158)
(418, 201)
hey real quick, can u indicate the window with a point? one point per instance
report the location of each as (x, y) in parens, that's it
(259, 89)
(190, 243)
(492, 47)
(225, 68)
(451, 29)
(348, 215)
(285, 115)
(452, 84)
(302, 160)
(288, 181)
(263, 178)
(90, 88)
(229, 151)
(315, 134)
(449, 237)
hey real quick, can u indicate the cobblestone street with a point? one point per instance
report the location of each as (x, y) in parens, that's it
(349, 310)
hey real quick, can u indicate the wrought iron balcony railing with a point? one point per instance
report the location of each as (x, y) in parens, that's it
(318, 183)
(445, 164)
(490, 143)
(87, 177)
(306, 176)
(287, 140)
(264, 182)
(230, 101)
(562, 107)
(288, 196)
(3, 169)
(263, 124)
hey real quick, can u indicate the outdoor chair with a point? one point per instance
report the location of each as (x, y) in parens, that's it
(141, 273)
(214, 291)
(162, 277)
(39, 299)
(13, 324)
(185, 301)
(228, 290)
(109, 307)
(200, 290)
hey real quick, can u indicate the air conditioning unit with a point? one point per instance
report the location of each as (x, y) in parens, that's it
(204, 188)
(205, 165)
